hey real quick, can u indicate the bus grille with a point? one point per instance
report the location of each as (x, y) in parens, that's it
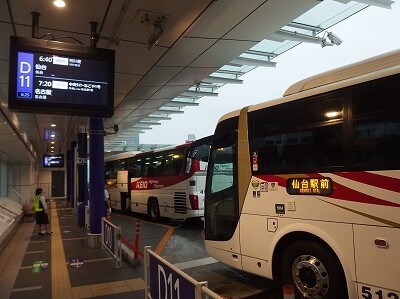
(180, 206)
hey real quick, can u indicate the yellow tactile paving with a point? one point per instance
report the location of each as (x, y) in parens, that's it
(109, 288)
(61, 285)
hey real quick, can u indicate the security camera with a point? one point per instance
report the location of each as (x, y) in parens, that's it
(116, 129)
(325, 43)
(334, 38)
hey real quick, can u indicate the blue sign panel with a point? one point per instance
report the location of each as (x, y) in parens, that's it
(25, 75)
(108, 236)
(166, 283)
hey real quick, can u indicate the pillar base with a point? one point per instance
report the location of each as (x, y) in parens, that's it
(94, 240)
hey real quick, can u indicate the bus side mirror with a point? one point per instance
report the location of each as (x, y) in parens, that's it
(188, 164)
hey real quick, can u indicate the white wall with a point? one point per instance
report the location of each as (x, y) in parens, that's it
(21, 182)
(45, 182)
(3, 179)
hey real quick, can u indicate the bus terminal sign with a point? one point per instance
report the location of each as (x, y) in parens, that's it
(111, 240)
(309, 186)
(166, 283)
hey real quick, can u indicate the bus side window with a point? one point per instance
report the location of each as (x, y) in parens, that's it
(151, 170)
(177, 164)
(328, 146)
(169, 168)
(377, 143)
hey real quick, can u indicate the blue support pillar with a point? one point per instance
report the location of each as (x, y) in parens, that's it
(70, 168)
(96, 173)
(82, 177)
(73, 175)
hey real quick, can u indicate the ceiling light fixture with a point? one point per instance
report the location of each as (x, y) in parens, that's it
(331, 114)
(53, 125)
(59, 3)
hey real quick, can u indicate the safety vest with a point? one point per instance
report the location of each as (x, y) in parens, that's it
(36, 204)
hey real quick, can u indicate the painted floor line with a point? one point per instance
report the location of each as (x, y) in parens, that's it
(75, 239)
(26, 289)
(164, 241)
(96, 260)
(32, 242)
(33, 252)
(196, 263)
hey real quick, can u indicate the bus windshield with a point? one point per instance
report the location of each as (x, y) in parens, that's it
(199, 153)
(221, 192)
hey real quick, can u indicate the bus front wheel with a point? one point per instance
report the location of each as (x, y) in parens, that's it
(153, 210)
(313, 270)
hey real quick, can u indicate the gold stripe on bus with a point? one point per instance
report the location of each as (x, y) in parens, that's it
(244, 167)
(378, 219)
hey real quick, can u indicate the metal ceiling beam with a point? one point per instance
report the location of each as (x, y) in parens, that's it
(252, 62)
(187, 97)
(192, 93)
(305, 27)
(379, 3)
(230, 72)
(212, 79)
(152, 123)
(165, 111)
(138, 130)
(138, 126)
(159, 117)
(180, 104)
(283, 35)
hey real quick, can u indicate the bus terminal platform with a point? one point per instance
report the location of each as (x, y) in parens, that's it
(61, 265)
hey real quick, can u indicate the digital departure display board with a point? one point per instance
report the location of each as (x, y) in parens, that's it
(53, 160)
(60, 78)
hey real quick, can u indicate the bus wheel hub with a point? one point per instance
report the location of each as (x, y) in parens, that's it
(310, 276)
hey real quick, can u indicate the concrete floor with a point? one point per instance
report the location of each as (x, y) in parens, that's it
(62, 265)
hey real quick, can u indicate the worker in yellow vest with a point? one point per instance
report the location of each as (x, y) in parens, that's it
(40, 206)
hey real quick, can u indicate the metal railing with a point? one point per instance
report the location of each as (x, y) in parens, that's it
(165, 281)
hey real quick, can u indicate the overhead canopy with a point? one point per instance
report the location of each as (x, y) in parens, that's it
(202, 45)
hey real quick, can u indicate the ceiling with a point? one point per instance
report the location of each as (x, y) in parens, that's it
(206, 44)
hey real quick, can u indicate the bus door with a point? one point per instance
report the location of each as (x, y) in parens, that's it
(221, 200)
(123, 188)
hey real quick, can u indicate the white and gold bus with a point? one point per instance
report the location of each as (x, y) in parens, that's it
(306, 188)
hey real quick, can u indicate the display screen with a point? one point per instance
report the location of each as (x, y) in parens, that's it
(53, 160)
(60, 78)
(309, 186)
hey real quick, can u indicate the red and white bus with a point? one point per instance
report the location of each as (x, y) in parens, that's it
(306, 188)
(166, 182)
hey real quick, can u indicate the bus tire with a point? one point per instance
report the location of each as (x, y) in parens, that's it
(313, 270)
(153, 210)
